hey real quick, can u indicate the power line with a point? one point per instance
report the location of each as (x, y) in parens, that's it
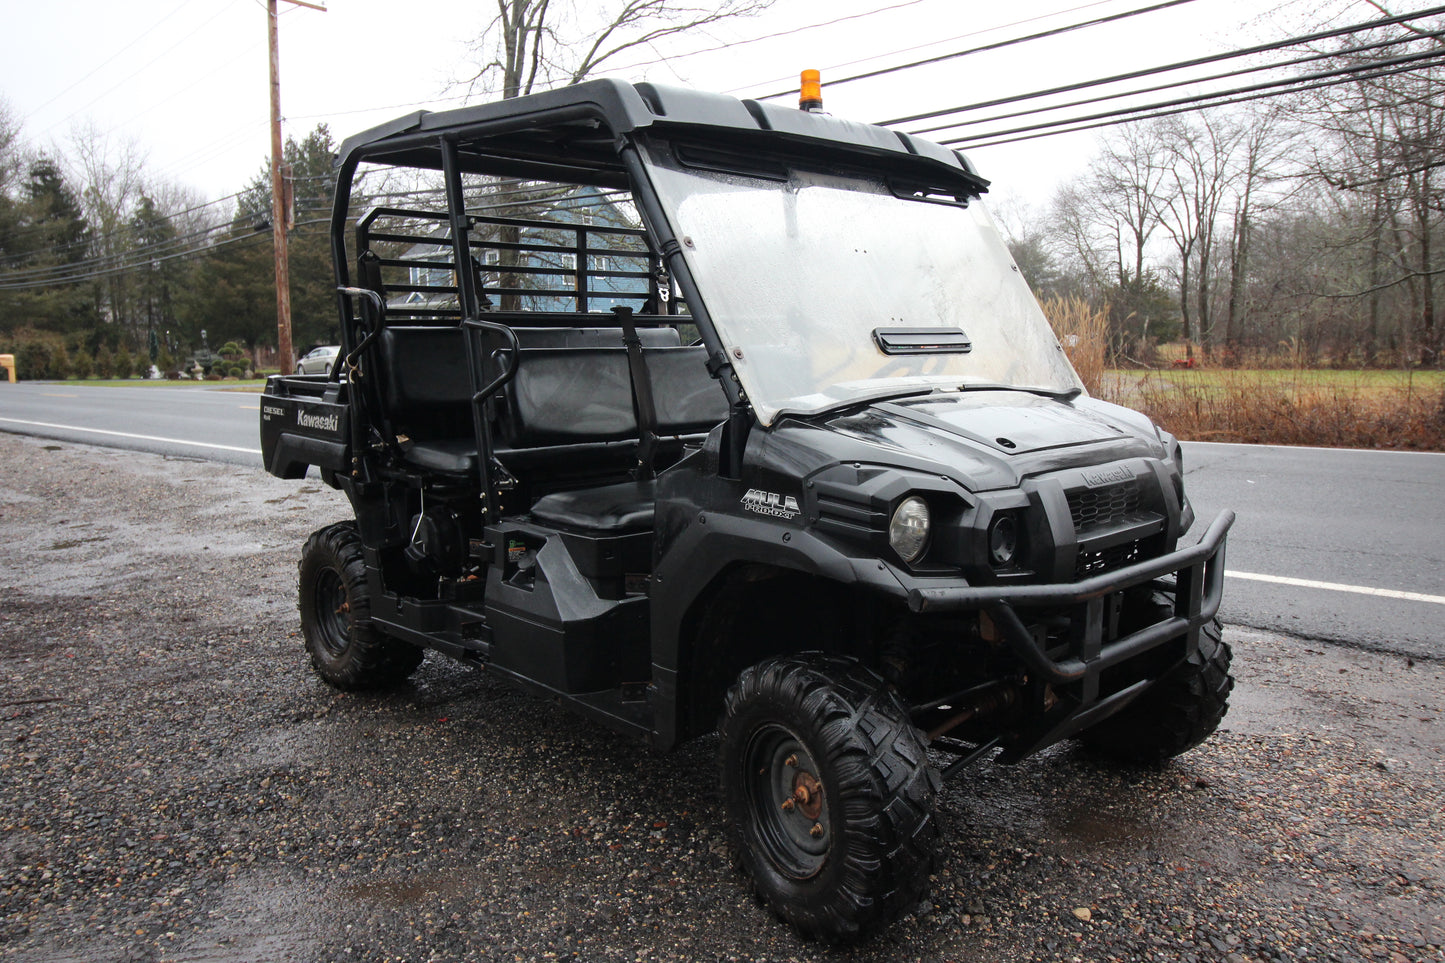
(932, 43)
(1180, 65)
(1433, 59)
(733, 45)
(126, 230)
(175, 248)
(1362, 48)
(109, 60)
(143, 67)
(998, 45)
(769, 36)
(115, 272)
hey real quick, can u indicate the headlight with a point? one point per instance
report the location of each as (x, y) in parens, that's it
(1003, 541)
(908, 529)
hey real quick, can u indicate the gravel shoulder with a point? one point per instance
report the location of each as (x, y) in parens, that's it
(176, 785)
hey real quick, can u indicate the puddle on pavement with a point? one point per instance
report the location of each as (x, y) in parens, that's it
(260, 917)
(1094, 828)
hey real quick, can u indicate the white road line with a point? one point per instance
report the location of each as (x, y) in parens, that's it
(124, 434)
(1358, 451)
(1337, 587)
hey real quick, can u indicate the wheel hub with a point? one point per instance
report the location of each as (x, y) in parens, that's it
(808, 795)
(789, 803)
(333, 609)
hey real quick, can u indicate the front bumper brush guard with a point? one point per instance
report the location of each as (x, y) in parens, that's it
(1198, 587)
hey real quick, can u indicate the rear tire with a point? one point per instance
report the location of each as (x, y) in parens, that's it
(830, 797)
(1176, 714)
(346, 649)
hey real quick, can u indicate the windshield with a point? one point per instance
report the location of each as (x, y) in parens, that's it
(799, 276)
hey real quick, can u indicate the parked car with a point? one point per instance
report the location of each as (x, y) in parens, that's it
(318, 360)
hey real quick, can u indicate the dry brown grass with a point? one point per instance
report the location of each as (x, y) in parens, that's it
(1084, 333)
(1241, 406)
(1284, 405)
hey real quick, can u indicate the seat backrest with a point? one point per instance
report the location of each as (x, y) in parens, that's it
(423, 377)
(688, 399)
(565, 396)
(572, 385)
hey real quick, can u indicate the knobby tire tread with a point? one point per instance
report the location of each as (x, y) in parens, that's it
(373, 660)
(887, 848)
(1179, 712)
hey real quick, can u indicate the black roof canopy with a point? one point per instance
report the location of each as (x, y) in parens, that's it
(572, 133)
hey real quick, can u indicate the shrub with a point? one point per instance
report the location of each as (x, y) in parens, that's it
(59, 362)
(1243, 407)
(104, 362)
(38, 354)
(124, 363)
(81, 365)
(1084, 332)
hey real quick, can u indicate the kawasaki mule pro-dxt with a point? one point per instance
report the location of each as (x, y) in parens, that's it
(702, 415)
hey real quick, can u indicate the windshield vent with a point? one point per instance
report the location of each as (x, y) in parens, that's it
(922, 340)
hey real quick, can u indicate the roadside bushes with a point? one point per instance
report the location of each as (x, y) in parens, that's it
(50, 355)
(1084, 332)
(38, 354)
(1250, 407)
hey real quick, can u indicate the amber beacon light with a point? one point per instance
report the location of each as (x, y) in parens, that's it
(810, 96)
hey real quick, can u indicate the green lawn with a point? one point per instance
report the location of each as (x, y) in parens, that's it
(1374, 383)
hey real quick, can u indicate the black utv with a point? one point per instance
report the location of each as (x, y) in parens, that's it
(700, 415)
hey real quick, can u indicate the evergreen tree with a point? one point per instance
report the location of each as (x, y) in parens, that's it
(233, 294)
(160, 279)
(51, 233)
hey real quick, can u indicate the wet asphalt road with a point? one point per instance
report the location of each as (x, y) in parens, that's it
(1358, 521)
(175, 785)
(198, 420)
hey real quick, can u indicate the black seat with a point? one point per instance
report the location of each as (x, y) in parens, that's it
(568, 415)
(611, 509)
(456, 456)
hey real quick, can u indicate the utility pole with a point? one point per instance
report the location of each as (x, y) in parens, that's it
(278, 193)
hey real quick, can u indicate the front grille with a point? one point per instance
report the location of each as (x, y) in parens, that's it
(1108, 559)
(1094, 508)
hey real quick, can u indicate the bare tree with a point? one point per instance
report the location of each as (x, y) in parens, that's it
(112, 175)
(10, 155)
(1199, 155)
(537, 44)
(1262, 150)
(1383, 141)
(1126, 180)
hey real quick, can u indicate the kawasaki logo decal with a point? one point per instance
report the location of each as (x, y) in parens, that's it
(331, 422)
(1107, 476)
(771, 503)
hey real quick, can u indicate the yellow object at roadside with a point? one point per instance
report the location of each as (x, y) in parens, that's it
(7, 361)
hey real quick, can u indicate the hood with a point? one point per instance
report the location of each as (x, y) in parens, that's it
(990, 439)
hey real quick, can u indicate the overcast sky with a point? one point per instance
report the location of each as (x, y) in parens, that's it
(187, 79)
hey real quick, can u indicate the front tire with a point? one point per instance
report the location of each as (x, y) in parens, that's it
(1176, 714)
(346, 649)
(829, 794)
